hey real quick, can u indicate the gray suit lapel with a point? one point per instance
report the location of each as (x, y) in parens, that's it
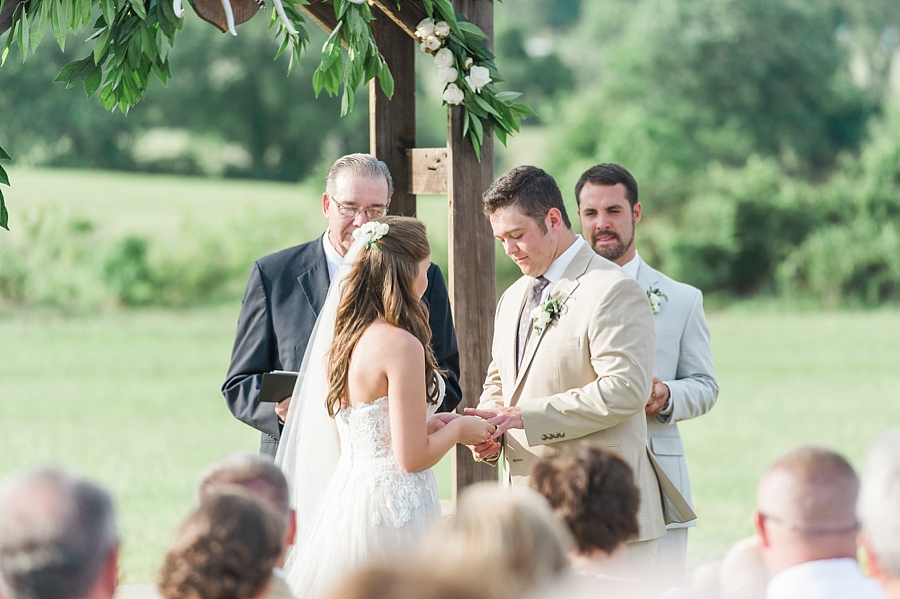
(313, 276)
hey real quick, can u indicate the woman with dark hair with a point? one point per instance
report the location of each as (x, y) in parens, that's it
(226, 549)
(370, 374)
(592, 489)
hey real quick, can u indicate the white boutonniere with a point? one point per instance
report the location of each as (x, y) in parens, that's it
(656, 297)
(547, 312)
(371, 232)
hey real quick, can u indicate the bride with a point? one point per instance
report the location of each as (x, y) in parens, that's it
(361, 437)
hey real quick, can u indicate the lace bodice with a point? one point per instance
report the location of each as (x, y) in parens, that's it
(367, 453)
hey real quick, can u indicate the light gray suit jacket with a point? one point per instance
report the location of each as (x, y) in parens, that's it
(684, 362)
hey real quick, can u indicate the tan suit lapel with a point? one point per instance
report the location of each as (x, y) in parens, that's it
(564, 288)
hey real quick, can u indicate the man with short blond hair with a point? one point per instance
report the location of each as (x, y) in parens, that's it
(807, 527)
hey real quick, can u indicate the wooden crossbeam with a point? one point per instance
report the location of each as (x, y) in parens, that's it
(429, 170)
(321, 13)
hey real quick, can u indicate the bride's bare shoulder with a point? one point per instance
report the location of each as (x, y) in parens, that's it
(388, 340)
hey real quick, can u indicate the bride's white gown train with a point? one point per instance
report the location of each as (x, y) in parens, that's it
(370, 511)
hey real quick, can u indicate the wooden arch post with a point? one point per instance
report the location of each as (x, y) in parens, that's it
(453, 170)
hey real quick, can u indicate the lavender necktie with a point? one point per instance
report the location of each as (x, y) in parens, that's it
(525, 322)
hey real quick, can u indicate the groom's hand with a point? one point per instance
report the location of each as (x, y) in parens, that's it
(504, 418)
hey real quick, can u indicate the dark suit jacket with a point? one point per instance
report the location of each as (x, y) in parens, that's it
(284, 295)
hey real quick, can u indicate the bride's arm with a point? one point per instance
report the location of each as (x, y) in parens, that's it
(413, 447)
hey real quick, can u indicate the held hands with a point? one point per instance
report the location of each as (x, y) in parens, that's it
(658, 398)
(504, 418)
(474, 430)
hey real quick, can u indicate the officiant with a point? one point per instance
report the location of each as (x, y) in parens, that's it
(287, 289)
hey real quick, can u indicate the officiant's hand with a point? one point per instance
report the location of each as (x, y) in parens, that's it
(504, 418)
(281, 409)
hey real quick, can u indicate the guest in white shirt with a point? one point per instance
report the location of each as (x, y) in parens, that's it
(807, 527)
(879, 511)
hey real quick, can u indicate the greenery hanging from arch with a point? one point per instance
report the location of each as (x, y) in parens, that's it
(132, 39)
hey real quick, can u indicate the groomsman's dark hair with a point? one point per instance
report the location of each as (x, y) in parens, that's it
(531, 190)
(609, 174)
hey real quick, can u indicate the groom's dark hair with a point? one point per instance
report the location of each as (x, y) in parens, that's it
(531, 190)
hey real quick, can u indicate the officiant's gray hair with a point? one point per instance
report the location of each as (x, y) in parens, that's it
(359, 165)
(57, 532)
(250, 471)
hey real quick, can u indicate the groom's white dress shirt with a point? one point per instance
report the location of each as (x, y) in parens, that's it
(824, 579)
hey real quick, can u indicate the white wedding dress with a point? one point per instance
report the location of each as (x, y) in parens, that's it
(354, 504)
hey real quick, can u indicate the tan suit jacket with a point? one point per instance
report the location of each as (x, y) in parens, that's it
(585, 377)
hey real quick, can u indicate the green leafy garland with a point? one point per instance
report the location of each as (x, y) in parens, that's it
(133, 38)
(4, 179)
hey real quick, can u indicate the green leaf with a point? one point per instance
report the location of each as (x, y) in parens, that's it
(387, 81)
(4, 213)
(139, 9)
(108, 8)
(500, 134)
(523, 109)
(483, 104)
(23, 34)
(507, 97)
(4, 156)
(471, 31)
(92, 83)
(4, 178)
(101, 44)
(59, 25)
(466, 119)
(429, 9)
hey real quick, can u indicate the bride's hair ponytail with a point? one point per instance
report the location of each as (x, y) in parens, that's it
(381, 284)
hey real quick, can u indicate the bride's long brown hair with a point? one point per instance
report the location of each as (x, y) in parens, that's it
(381, 284)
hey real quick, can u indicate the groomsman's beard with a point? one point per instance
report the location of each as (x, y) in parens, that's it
(609, 251)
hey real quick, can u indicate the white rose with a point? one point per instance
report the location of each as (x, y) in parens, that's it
(453, 95)
(425, 29)
(541, 318)
(441, 29)
(443, 58)
(654, 303)
(469, 62)
(478, 77)
(447, 75)
(432, 43)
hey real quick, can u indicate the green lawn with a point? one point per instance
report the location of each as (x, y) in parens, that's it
(131, 399)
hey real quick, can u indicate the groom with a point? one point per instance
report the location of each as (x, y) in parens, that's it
(581, 372)
(287, 289)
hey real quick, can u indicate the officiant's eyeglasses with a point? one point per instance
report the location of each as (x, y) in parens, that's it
(350, 211)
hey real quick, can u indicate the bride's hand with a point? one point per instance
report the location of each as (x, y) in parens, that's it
(439, 421)
(474, 430)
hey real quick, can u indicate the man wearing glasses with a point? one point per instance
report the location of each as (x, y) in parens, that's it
(287, 289)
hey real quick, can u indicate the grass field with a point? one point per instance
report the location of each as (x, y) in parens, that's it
(131, 397)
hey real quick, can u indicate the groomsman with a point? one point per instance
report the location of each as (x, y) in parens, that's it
(287, 289)
(572, 354)
(684, 382)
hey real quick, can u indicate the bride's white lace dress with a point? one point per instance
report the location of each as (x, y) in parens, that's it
(371, 510)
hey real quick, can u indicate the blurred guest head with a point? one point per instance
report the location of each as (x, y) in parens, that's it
(256, 474)
(593, 491)
(226, 549)
(507, 539)
(387, 582)
(806, 509)
(879, 511)
(58, 538)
